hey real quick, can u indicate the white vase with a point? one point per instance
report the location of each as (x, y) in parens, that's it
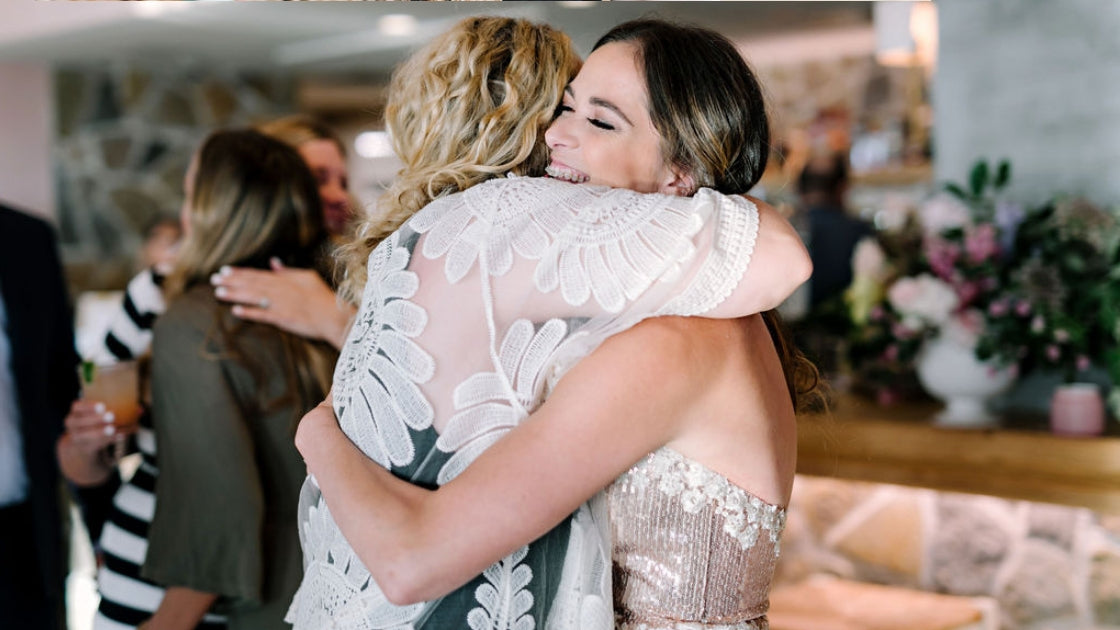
(949, 371)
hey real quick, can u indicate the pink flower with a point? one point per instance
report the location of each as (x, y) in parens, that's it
(891, 353)
(998, 308)
(886, 396)
(1053, 353)
(967, 292)
(1023, 308)
(877, 313)
(1082, 363)
(980, 243)
(942, 256)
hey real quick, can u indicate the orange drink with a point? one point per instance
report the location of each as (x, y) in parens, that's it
(117, 386)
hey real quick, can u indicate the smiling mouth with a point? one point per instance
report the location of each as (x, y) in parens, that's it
(567, 174)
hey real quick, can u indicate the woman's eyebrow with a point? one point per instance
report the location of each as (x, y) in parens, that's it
(600, 102)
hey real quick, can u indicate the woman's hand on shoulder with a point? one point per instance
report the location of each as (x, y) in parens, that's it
(295, 300)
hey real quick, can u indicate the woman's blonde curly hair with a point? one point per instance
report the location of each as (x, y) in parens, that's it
(472, 105)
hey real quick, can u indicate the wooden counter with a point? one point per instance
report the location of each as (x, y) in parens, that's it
(863, 441)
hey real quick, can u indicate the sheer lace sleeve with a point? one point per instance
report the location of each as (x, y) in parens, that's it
(599, 249)
(564, 266)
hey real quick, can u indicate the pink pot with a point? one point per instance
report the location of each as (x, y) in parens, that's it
(1077, 409)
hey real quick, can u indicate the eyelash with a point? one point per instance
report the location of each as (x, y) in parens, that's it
(595, 122)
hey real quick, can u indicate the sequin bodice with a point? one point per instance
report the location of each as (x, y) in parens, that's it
(691, 549)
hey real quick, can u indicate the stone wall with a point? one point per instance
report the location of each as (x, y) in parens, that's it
(124, 137)
(1049, 567)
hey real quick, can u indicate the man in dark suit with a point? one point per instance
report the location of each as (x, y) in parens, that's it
(38, 380)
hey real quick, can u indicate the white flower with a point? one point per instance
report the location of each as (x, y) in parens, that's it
(869, 261)
(944, 212)
(923, 297)
(896, 211)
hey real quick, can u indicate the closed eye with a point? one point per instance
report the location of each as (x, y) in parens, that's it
(601, 124)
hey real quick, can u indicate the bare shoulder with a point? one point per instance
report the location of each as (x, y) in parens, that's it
(689, 348)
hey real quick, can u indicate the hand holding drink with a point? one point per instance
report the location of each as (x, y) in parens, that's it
(111, 396)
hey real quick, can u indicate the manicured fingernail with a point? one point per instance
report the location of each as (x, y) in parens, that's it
(220, 292)
(108, 417)
(110, 430)
(238, 310)
(99, 408)
(225, 270)
(215, 278)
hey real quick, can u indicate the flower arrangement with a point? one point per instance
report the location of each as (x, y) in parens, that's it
(930, 270)
(1061, 311)
(1030, 288)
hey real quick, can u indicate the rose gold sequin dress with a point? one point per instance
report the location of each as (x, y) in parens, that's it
(690, 549)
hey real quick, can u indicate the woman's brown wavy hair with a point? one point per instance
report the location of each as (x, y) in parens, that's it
(710, 110)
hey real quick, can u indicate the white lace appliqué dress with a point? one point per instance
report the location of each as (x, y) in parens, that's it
(472, 311)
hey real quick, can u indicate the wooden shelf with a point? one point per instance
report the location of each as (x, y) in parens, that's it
(863, 441)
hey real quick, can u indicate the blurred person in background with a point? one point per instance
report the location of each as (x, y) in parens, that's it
(301, 302)
(218, 383)
(832, 230)
(38, 379)
(298, 300)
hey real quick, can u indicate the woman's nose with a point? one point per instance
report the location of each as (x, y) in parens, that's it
(334, 192)
(558, 134)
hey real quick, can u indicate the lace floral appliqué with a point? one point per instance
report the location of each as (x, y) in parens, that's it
(374, 411)
(605, 243)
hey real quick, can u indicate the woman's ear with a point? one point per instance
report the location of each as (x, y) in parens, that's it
(679, 183)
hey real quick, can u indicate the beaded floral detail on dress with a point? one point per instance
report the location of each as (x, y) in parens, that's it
(696, 486)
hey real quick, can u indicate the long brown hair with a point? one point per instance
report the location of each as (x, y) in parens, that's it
(472, 105)
(708, 106)
(252, 198)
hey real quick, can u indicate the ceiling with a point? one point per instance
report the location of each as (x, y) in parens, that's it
(343, 37)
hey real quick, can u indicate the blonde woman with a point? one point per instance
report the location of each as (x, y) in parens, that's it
(226, 395)
(479, 303)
